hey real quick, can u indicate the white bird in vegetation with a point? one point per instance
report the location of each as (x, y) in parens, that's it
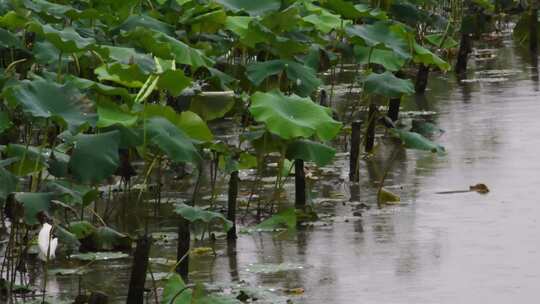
(47, 244)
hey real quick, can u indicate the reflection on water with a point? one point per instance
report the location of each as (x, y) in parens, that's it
(458, 248)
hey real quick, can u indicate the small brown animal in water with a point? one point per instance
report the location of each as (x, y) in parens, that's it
(479, 188)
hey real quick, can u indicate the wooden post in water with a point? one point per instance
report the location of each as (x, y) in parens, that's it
(393, 108)
(138, 271)
(533, 30)
(300, 184)
(231, 208)
(421, 79)
(354, 168)
(370, 132)
(465, 48)
(184, 239)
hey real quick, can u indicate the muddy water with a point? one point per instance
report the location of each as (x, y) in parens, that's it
(432, 248)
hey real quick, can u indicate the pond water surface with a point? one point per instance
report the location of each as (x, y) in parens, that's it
(432, 248)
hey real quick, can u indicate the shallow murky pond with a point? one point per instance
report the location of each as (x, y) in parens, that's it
(432, 248)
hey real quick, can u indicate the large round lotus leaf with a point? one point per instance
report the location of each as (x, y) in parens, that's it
(8, 183)
(176, 292)
(308, 150)
(426, 57)
(189, 122)
(212, 105)
(74, 193)
(388, 85)
(172, 141)
(67, 40)
(5, 123)
(9, 40)
(45, 99)
(53, 9)
(256, 8)
(412, 140)
(81, 229)
(144, 21)
(168, 47)
(111, 114)
(194, 214)
(34, 203)
(95, 156)
(292, 116)
(303, 78)
(388, 59)
(385, 34)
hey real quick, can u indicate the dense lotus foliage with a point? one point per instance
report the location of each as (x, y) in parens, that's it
(89, 87)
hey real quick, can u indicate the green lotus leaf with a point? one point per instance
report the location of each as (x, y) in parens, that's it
(74, 193)
(128, 56)
(388, 85)
(253, 8)
(34, 203)
(176, 291)
(212, 105)
(382, 34)
(81, 229)
(13, 20)
(325, 21)
(293, 117)
(110, 114)
(388, 59)
(308, 150)
(209, 19)
(146, 22)
(47, 54)
(167, 47)
(249, 30)
(8, 183)
(67, 40)
(426, 57)
(45, 99)
(26, 160)
(58, 164)
(189, 122)
(53, 9)
(347, 9)
(437, 39)
(303, 78)
(106, 239)
(94, 157)
(195, 214)
(86, 84)
(172, 141)
(130, 76)
(67, 238)
(283, 219)
(5, 122)
(416, 141)
(173, 81)
(9, 40)
(282, 21)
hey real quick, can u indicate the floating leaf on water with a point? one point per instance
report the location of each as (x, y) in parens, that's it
(387, 197)
(202, 251)
(99, 256)
(273, 268)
